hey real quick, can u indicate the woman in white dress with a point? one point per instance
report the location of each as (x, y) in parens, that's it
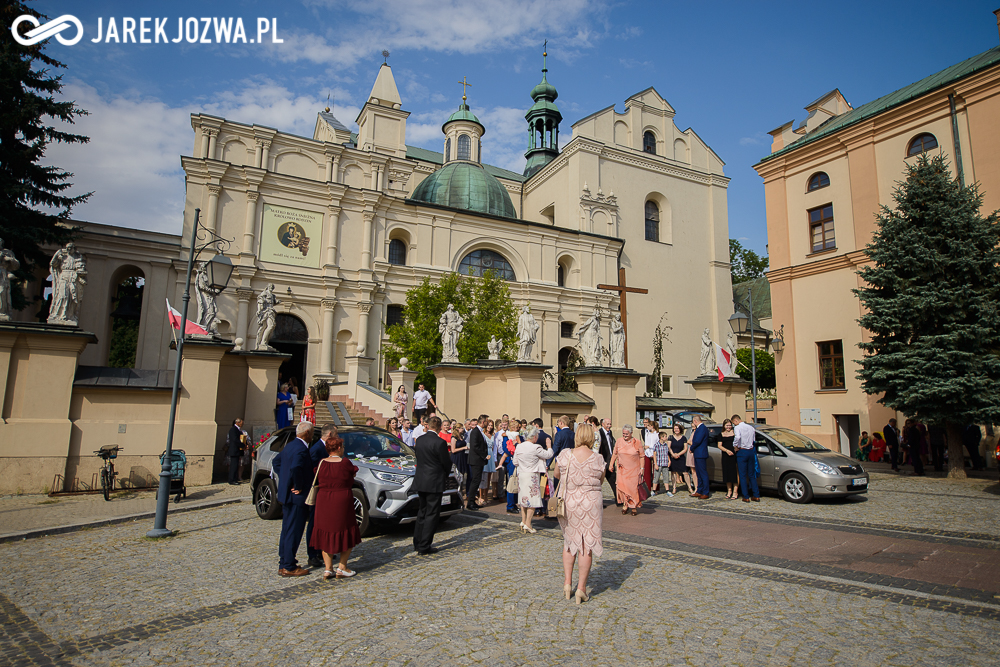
(530, 458)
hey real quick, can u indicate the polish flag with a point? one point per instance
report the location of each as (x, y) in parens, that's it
(175, 322)
(724, 363)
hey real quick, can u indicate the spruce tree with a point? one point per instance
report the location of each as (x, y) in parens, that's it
(32, 199)
(930, 295)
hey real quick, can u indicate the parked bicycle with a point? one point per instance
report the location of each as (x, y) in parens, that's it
(108, 473)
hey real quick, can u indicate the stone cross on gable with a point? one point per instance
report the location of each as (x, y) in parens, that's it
(623, 290)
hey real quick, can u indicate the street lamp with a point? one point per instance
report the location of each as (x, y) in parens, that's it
(778, 344)
(220, 270)
(739, 322)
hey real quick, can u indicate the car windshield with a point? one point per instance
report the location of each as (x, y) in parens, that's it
(793, 441)
(372, 444)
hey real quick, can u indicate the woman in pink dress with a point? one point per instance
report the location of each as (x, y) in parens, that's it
(630, 456)
(580, 472)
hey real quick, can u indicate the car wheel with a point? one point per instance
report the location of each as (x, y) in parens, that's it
(265, 500)
(796, 489)
(361, 513)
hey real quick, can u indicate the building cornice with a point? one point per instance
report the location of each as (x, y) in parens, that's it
(850, 260)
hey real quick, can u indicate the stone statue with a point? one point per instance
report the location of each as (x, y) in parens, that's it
(266, 302)
(617, 342)
(450, 326)
(8, 264)
(494, 346)
(69, 275)
(731, 349)
(208, 310)
(527, 332)
(707, 353)
(589, 335)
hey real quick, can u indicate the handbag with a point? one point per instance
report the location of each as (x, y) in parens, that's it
(512, 484)
(557, 502)
(314, 489)
(643, 491)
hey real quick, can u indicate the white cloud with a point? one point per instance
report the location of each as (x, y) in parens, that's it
(758, 139)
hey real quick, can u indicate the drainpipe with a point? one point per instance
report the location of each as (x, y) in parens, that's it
(954, 134)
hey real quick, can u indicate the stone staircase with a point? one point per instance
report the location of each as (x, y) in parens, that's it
(339, 410)
(359, 411)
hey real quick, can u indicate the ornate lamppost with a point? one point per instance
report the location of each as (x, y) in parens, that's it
(739, 323)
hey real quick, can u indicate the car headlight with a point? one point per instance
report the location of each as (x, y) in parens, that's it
(390, 477)
(824, 468)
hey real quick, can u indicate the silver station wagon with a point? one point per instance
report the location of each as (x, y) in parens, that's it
(794, 465)
(382, 493)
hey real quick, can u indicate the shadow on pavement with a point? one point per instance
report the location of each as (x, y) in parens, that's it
(611, 574)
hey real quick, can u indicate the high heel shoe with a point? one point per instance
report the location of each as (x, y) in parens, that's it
(530, 530)
(568, 590)
(624, 511)
(581, 596)
(523, 528)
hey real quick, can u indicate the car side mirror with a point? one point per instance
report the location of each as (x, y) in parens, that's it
(763, 449)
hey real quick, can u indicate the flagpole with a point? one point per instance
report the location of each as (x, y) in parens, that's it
(163, 497)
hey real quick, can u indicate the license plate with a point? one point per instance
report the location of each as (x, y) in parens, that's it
(858, 482)
(446, 500)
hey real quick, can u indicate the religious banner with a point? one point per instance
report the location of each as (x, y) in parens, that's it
(291, 236)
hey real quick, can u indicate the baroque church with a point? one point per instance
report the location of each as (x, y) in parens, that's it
(344, 223)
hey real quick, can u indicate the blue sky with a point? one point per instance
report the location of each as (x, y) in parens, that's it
(732, 71)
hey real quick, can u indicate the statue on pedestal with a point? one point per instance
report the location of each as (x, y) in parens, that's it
(707, 353)
(450, 326)
(494, 346)
(69, 275)
(731, 349)
(527, 331)
(8, 264)
(617, 342)
(266, 317)
(589, 335)
(208, 310)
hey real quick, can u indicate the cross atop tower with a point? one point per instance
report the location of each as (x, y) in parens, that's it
(464, 85)
(545, 53)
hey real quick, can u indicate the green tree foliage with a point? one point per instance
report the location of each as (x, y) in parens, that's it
(485, 305)
(32, 199)
(744, 263)
(931, 304)
(125, 330)
(765, 367)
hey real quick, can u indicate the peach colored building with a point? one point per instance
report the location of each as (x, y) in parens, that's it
(824, 181)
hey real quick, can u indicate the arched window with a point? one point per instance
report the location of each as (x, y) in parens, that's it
(921, 143)
(652, 221)
(397, 252)
(447, 149)
(125, 319)
(464, 147)
(561, 276)
(477, 262)
(818, 180)
(649, 143)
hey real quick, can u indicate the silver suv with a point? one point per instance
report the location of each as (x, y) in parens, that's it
(381, 488)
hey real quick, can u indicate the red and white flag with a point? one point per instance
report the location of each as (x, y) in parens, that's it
(175, 322)
(724, 363)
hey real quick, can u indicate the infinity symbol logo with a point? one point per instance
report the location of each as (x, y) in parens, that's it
(42, 32)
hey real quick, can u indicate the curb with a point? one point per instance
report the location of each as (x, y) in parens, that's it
(74, 527)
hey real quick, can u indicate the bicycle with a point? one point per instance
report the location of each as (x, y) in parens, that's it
(108, 473)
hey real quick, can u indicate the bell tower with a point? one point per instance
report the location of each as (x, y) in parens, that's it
(543, 123)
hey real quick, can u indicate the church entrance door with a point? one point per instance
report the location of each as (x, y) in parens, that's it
(292, 337)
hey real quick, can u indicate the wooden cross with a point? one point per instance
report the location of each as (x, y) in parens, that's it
(464, 85)
(623, 289)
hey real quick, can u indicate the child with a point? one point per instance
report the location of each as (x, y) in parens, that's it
(661, 462)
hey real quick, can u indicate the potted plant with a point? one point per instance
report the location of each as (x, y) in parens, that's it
(323, 390)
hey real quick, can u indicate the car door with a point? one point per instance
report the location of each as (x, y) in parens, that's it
(765, 455)
(714, 454)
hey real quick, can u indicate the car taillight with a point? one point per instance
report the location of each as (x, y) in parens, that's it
(254, 455)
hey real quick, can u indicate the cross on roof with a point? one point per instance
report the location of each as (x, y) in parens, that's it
(623, 289)
(464, 85)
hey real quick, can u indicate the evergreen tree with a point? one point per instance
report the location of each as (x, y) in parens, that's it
(32, 199)
(930, 297)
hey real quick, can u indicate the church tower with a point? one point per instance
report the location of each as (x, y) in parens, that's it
(543, 124)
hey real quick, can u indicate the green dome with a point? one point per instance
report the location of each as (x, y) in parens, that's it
(545, 90)
(463, 113)
(466, 185)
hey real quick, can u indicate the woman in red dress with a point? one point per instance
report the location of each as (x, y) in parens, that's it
(336, 528)
(309, 406)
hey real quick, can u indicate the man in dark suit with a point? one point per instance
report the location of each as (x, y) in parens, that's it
(316, 454)
(478, 455)
(433, 467)
(891, 436)
(607, 449)
(235, 445)
(699, 447)
(295, 474)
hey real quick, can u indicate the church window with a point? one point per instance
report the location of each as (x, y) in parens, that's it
(447, 150)
(478, 262)
(831, 364)
(649, 143)
(818, 180)
(393, 315)
(561, 276)
(566, 329)
(464, 147)
(821, 228)
(397, 252)
(921, 143)
(652, 221)
(479, 151)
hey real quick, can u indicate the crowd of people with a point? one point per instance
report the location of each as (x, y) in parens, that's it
(917, 445)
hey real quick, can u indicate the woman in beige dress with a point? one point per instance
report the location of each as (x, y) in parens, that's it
(580, 472)
(530, 458)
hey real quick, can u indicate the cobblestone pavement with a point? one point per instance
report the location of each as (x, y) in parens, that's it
(211, 595)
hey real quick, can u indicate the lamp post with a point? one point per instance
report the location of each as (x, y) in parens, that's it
(738, 322)
(220, 270)
(778, 344)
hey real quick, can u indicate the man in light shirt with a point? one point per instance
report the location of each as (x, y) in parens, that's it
(746, 458)
(421, 428)
(421, 398)
(406, 433)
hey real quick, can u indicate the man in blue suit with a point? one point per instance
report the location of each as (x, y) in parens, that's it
(295, 473)
(699, 447)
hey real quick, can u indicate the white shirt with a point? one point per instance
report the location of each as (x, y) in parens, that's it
(407, 435)
(652, 439)
(420, 399)
(744, 436)
(418, 431)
